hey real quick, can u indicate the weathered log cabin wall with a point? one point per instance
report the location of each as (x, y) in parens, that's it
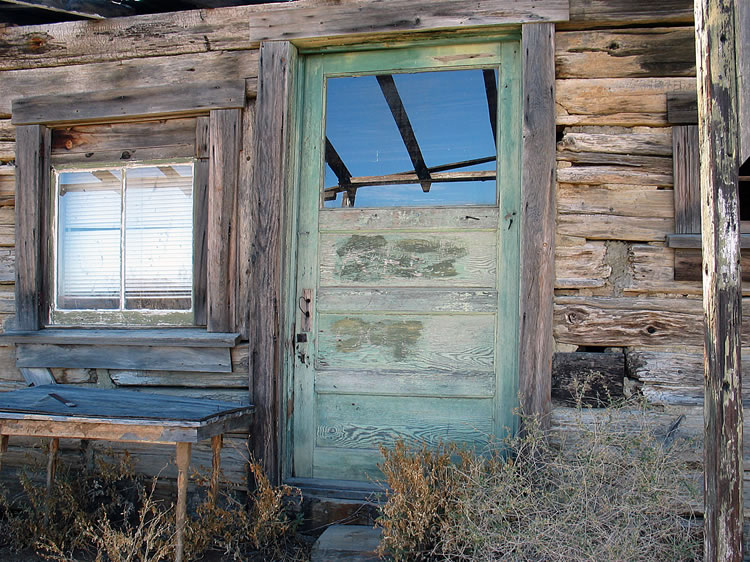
(615, 289)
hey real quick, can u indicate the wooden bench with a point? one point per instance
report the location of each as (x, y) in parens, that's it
(75, 412)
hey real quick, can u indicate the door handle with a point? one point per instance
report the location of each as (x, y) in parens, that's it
(305, 306)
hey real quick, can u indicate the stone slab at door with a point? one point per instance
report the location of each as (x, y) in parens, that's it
(407, 253)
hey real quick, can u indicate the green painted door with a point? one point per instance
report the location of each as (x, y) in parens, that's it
(407, 253)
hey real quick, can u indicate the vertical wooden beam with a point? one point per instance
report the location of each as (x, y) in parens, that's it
(213, 491)
(200, 220)
(244, 220)
(275, 92)
(537, 218)
(686, 173)
(742, 41)
(224, 131)
(32, 189)
(722, 296)
(54, 447)
(3, 448)
(183, 464)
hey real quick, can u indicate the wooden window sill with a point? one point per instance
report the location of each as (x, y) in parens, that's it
(694, 241)
(169, 337)
(168, 349)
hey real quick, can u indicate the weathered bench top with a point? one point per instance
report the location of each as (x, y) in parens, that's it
(94, 413)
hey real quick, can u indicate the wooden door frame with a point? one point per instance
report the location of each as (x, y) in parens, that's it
(274, 211)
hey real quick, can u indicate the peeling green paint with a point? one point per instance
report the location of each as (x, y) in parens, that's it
(366, 258)
(400, 336)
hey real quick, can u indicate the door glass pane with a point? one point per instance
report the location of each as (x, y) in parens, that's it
(415, 139)
(89, 239)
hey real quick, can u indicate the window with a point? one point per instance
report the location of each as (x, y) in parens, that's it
(411, 139)
(682, 114)
(124, 243)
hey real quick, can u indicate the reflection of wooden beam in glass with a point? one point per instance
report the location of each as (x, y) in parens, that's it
(333, 159)
(402, 179)
(490, 88)
(337, 164)
(392, 97)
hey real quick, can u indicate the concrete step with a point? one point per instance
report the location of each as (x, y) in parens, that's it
(353, 543)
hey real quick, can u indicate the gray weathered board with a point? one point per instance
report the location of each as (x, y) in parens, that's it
(112, 404)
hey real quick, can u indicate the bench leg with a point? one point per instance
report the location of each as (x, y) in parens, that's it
(3, 448)
(216, 442)
(54, 447)
(183, 462)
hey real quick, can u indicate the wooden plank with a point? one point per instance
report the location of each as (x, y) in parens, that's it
(673, 378)
(173, 337)
(37, 376)
(397, 299)
(614, 227)
(420, 342)
(275, 92)
(130, 103)
(616, 101)
(655, 142)
(626, 321)
(7, 186)
(651, 263)
(694, 241)
(32, 178)
(590, 379)
(411, 218)
(245, 246)
(158, 70)
(581, 266)
(348, 464)
(742, 42)
(653, 164)
(178, 379)
(124, 137)
(84, 8)
(463, 384)
(7, 130)
(124, 357)
(600, 13)
(537, 219)
(221, 234)
(614, 175)
(7, 151)
(625, 53)
(682, 108)
(686, 179)
(227, 29)
(425, 259)
(612, 199)
(96, 405)
(365, 422)
(688, 265)
(200, 241)
(719, 194)
(183, 465)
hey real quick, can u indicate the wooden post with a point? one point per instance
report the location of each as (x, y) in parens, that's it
(275, 90)
(537, 219)
(183, 463)
(722, 296)
(216, 442)
(3, 448)
(54, 447)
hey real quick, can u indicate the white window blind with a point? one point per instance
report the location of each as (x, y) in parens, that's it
(125, 238)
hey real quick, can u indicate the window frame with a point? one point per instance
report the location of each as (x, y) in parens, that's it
(218, 110)
(121, 317)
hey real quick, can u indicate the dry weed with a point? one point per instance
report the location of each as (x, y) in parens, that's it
(608, 495)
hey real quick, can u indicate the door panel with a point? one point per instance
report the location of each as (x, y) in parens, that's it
(406, 314)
